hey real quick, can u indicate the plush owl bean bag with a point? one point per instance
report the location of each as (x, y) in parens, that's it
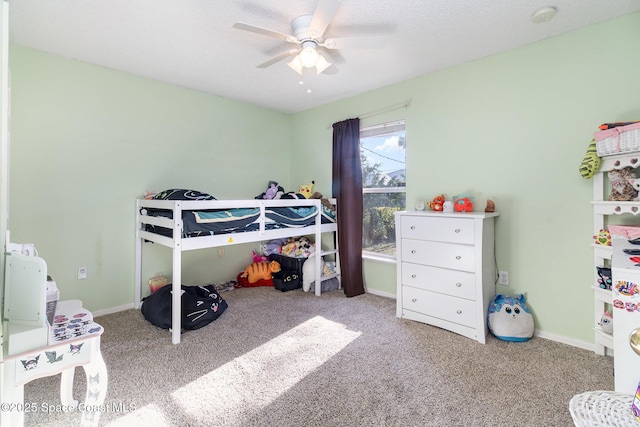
(509, 318)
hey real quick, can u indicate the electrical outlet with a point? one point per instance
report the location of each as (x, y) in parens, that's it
(82, 273)
(220, 252)
(503, 277)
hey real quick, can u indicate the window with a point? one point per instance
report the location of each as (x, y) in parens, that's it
(382, 154)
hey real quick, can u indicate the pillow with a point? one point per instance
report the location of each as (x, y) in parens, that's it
(509, 318)
(180, 194)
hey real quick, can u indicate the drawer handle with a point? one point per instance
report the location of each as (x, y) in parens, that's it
(457, 230)
(458, 285)
(413, 227)
(458, 257)
(459, 311)
(414, 300)
(413, 276)
(413, 251)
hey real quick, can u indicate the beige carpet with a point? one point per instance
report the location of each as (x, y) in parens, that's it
(293, 359)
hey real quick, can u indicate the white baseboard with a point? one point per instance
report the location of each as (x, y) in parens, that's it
(379, 293)
(565, 340)
(112, 310)
(540, 334)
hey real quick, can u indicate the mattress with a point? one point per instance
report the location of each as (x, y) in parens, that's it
(237, 220)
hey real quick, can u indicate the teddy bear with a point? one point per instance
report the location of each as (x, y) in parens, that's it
(325, 202)
(621, 188)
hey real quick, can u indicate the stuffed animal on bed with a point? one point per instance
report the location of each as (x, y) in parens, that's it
(325, 202)
(304, 192)
(509, 319)
(274, 191)
(306, 189)
(260, 271)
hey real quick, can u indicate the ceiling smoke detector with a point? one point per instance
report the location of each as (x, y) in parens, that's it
(544, 14)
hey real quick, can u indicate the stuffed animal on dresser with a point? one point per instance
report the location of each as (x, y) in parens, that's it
(621, 187)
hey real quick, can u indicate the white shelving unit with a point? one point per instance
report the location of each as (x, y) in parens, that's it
(602, 210)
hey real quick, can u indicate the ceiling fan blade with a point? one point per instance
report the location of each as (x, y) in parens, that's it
(278, 58)
(270, 33)
(333, 56)
(322, 17)
(354, 43)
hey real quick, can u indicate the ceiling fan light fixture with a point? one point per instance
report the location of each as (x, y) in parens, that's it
(322, 64)
(309, 54)
(296, 64)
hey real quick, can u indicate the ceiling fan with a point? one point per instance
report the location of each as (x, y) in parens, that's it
(307, 34)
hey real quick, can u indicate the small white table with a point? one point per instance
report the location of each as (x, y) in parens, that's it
(74, 341)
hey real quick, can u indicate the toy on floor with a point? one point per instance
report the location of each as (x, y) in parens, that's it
(509, 318)
(606, 322)
(260, 270)
(259, 258)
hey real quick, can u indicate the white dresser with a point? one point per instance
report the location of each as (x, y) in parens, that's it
(446, 269)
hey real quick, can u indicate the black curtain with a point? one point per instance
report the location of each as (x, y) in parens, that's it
(347, 189)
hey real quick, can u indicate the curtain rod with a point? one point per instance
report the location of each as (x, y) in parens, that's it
(380, 111)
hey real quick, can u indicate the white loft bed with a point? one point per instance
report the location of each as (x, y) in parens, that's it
(179, 243)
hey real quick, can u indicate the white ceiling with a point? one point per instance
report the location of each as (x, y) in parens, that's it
(191, 43)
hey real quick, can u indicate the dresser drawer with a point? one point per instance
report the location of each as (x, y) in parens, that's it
(450, 282)
(451, 309)
(446, 255)
(452, 230)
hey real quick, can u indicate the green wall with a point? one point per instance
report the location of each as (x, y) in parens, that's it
(512, 127)
(87, 141)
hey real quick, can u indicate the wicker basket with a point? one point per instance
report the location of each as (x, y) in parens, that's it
(621, 139)
(602, 409)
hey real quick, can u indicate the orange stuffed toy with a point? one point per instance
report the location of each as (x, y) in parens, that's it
(260, 270)
(437, 203)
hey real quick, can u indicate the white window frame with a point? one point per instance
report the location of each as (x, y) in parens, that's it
(382, 129)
